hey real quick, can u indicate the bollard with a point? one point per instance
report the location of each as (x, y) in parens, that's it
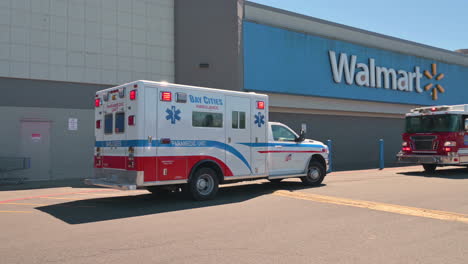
(381, 155)
(329, 144)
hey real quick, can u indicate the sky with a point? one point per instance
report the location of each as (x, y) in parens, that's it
(442, 24)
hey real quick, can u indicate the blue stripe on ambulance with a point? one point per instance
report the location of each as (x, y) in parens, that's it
(175, 144)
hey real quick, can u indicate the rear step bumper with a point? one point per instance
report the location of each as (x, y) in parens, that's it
(116, 179)
(118, 186)
(430, 159)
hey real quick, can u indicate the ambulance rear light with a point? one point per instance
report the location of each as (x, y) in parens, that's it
(260, 105)
(131, 120)
(131, 158)
(97, 102)
(166, 96)
(105, 97)
(133, 95)
(98, 124)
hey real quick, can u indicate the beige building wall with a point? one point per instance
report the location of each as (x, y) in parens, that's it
(87, 41)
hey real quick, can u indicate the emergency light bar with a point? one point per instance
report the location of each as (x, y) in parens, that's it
(166, 96)
(260, 105)
(430, 109)
(133, 94)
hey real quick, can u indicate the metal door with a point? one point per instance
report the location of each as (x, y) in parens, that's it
(35, 144)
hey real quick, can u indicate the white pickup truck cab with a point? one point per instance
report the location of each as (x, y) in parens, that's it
(162, 136)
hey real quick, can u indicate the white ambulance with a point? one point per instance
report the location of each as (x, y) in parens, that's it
(163, 137)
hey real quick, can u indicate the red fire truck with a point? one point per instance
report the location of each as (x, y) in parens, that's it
(436, 136)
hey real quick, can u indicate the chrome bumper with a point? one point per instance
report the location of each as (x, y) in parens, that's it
(123, 187)
(116, 179)
(428, 159)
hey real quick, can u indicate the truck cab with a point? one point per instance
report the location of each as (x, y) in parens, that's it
(436, 136)
(162, 136)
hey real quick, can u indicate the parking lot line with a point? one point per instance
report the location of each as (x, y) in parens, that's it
(391, 208)
(60, 198)
(33, 204)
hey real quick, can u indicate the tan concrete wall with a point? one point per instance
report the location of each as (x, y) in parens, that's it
(87, 41)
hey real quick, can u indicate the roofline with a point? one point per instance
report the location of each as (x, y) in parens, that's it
(318, 20)
(184, 86)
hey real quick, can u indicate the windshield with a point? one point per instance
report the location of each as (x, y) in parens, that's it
(433, 123)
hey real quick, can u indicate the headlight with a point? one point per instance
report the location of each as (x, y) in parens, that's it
(404, 144)
(450, 144)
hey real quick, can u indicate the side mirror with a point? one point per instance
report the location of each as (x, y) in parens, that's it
(301, 136)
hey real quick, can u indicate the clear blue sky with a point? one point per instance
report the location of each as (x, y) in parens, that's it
(442, 24)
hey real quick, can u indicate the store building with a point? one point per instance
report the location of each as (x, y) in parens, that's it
(346, 84)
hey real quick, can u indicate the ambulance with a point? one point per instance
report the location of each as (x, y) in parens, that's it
(166, 137)
(436, 136)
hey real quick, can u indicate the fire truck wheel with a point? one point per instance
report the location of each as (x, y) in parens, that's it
(315, 174)
(203, 185)
(429, 168)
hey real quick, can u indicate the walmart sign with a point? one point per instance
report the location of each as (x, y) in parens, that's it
(282, 61)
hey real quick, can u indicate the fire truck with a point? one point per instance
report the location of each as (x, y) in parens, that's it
(167, 137)
(436, 136)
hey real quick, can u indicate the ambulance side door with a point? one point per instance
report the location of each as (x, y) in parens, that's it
(238, 125)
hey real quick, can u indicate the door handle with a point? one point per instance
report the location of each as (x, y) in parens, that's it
(229, 139)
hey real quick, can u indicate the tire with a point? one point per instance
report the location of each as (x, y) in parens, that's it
(430, 168)
(275, 180)
(315, 174)
(203, 185)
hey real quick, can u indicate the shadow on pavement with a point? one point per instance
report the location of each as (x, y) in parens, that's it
(7, 185)
(103, 209)
(452, 173)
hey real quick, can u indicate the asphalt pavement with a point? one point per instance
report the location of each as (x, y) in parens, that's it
(397, 215)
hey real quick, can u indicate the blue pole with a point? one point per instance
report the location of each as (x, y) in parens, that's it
(329, 144)
(381, 156)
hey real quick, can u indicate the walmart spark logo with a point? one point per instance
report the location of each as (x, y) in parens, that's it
(438, 77)
(173, 114)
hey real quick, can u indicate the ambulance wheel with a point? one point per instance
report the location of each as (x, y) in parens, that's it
(203, 185)
(315, 174)
(429, 168)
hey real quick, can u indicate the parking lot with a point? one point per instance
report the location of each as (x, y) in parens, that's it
(397, 215)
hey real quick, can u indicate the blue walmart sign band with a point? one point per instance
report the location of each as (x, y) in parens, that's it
(281, 61)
